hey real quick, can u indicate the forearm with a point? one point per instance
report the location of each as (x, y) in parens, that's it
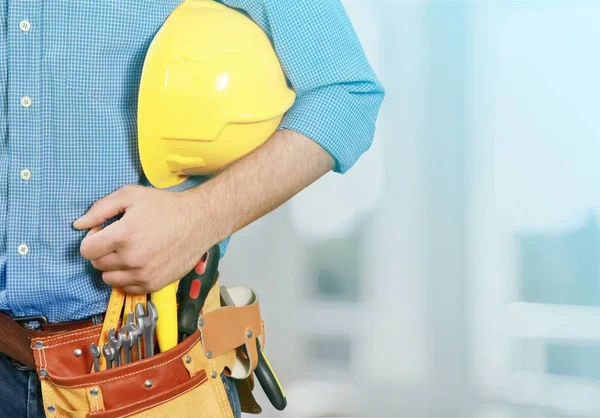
(330, 126)
(257, 184)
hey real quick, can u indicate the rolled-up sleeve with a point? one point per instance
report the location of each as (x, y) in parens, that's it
(338, 94)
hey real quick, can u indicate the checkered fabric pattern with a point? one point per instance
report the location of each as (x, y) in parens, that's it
(69, 76)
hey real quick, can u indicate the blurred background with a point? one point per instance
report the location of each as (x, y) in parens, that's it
(455, 270)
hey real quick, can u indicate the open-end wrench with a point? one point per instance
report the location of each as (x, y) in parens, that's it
(149, 318)
(96, 353)
(109, 354)
(134, 328)
(115, 340)
(127, 344)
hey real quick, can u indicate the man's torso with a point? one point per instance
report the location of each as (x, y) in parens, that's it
(69, 76)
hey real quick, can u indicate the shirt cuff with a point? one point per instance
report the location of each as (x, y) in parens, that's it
(341, 121)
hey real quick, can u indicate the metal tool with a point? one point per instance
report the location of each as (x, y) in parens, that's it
(127, 344)
(268, 380)
(193, 291)
(109, 354)
(264, 371)
(115, 340)
(134, 327)
(149, 318)
(96, 353)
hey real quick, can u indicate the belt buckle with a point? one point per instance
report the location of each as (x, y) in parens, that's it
(40, 319)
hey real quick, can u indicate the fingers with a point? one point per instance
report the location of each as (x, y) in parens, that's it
(110, 262)
(135, 290)
(106, 208)
(129, 281)
(101, 242)
(119, 278)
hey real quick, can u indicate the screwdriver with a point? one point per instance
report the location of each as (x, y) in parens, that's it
(193, 291)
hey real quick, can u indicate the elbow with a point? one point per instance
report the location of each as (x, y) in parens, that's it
(366, 108)
(340, 117)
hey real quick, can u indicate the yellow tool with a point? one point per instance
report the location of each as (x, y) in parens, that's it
(165, 301)
(212, 90)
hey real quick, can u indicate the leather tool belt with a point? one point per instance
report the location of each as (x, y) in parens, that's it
(184, 381)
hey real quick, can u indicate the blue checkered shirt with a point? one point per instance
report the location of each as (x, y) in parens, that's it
(69, 75)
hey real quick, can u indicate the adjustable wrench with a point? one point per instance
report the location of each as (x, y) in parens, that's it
(96, 353)
(109, 354)
(116, 342)
(149, 319)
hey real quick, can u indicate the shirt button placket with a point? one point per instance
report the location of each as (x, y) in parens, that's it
(26, 102)
(24, 140)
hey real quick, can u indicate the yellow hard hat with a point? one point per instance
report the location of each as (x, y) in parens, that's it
(212, 90)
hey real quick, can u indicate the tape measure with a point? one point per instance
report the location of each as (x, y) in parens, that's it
(111, 320)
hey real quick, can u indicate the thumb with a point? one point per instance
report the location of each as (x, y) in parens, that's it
(104, 209)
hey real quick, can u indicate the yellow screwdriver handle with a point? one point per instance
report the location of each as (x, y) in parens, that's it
(165, 301)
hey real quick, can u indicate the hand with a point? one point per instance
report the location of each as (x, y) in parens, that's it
(155, 243)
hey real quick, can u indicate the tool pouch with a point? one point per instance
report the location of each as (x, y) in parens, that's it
(185, 381)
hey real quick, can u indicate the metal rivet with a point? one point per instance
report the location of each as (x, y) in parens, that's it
(213, 374)
(148, 383)
(94, 392)
(249, 334)
(188, 359)
(43, 372)
(39, 344)
(77, 352)
(201, 322)
(51, 409)
(209, 355)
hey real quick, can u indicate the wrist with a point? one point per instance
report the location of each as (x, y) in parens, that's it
(204, 220)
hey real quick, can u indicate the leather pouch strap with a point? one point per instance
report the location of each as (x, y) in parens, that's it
(238, 323)
(14, 341)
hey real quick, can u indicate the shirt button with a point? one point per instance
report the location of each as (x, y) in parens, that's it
(23, 249)
(25, 174)
(25, 101)
(25, 25)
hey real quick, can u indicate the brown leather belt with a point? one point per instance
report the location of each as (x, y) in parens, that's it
(15, 337)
